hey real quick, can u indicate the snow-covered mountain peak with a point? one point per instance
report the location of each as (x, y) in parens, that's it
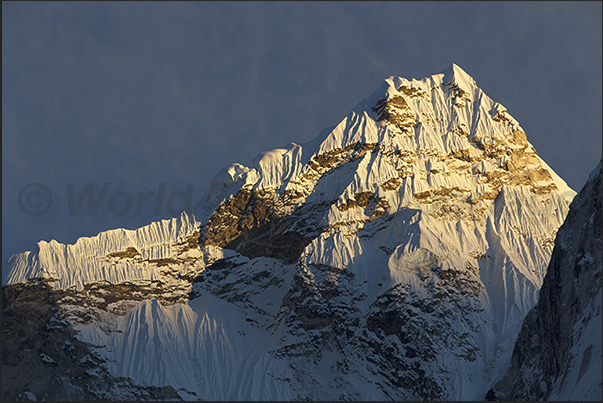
(440, 131)
(411, 238)
(455, 75)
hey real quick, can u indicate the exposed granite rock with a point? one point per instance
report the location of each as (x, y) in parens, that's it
(254, 224)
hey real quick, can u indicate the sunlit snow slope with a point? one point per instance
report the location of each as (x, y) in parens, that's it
(395, 256)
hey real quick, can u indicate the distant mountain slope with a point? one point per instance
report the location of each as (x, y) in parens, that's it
(557, 355)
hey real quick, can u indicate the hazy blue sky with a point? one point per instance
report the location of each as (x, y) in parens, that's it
(138, 94)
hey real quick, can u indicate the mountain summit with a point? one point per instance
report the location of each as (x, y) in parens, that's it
(394, 256)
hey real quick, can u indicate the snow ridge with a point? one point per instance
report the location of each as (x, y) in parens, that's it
(87, 261)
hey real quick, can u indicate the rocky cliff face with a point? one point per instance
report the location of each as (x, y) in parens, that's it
(42, 358)
(393, 257)
(557, 355)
